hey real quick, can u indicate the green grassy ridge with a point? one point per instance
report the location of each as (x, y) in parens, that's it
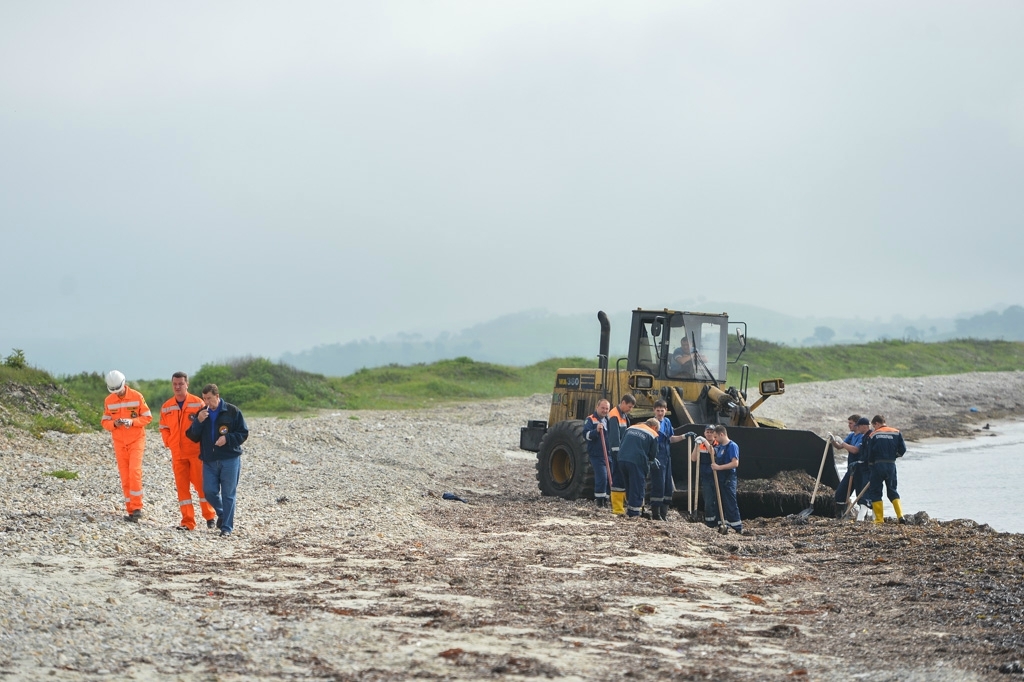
(262, 387)
(422, 385)
(892, 358)
(256, 385)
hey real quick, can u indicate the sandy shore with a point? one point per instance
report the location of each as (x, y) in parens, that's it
(348, 565)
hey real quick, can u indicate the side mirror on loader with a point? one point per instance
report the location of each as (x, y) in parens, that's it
(772, 387)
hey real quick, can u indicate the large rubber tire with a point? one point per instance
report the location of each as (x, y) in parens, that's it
(563, 468)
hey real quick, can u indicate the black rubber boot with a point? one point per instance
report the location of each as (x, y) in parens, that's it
(663, 510)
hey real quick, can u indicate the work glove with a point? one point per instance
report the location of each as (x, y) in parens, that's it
(701, 440)
(689, 434)
(124, 422)
(655, 464)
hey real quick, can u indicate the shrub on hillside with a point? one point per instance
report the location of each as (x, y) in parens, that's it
(16, 360)
(243, 392)
(210, 374)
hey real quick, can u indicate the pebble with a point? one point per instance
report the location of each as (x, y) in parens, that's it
(71, 568)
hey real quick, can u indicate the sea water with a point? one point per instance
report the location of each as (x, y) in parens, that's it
(978, 478)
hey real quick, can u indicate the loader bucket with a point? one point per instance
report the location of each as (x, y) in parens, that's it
(765, 453)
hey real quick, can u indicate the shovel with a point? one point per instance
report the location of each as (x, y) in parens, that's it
(689, 481)
(810, 510)
(607, 466)
(722, 528)
(696, 514)
(854, 505)
(849, 487)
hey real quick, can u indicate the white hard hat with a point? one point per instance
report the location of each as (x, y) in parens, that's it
(115, 381)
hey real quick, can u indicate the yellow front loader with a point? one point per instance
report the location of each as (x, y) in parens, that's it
(681, 357)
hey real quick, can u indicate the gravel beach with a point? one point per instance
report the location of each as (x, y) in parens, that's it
(347, 564)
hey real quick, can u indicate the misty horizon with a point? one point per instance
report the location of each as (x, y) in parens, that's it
(189, 183)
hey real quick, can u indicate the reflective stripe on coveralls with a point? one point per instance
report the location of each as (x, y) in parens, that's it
(129, 441)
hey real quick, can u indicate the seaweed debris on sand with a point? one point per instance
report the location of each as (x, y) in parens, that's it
(347, 564)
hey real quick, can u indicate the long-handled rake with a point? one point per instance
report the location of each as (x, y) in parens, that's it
(697, 513)
(854, 505)
(722, 528)
(607, 466)
(810, 510)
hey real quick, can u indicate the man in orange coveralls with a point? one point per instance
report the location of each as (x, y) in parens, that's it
(176, 415)
(125, 415)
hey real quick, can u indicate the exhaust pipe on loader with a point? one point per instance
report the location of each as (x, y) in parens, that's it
(602, 352)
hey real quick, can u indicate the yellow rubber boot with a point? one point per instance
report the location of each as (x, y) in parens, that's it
(618, 502)
(898, 508)
(879, 514)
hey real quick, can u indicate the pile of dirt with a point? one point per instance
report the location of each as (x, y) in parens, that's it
(788, 492)
(783, 483)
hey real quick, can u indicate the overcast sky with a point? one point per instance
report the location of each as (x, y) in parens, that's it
(258, 177)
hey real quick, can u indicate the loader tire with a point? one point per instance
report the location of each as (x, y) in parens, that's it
(563, 468)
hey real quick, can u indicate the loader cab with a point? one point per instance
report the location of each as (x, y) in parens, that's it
(679, 346)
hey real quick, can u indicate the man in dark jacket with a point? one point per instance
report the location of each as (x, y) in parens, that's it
(593, 428)
(618, 422)
(220, 430)
(637, 454)
(883, 446)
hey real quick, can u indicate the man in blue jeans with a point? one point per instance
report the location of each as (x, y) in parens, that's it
(220, 430)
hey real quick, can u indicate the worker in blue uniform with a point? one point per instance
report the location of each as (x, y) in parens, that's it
(593, 427)
(702, 454)
(884, 445)
(618, 422)
(661, 478)
(857, 475)
(727, 460)
(638, 454)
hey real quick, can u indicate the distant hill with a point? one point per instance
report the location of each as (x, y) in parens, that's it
(1008, 325)
(520, 339)
(532, 336)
